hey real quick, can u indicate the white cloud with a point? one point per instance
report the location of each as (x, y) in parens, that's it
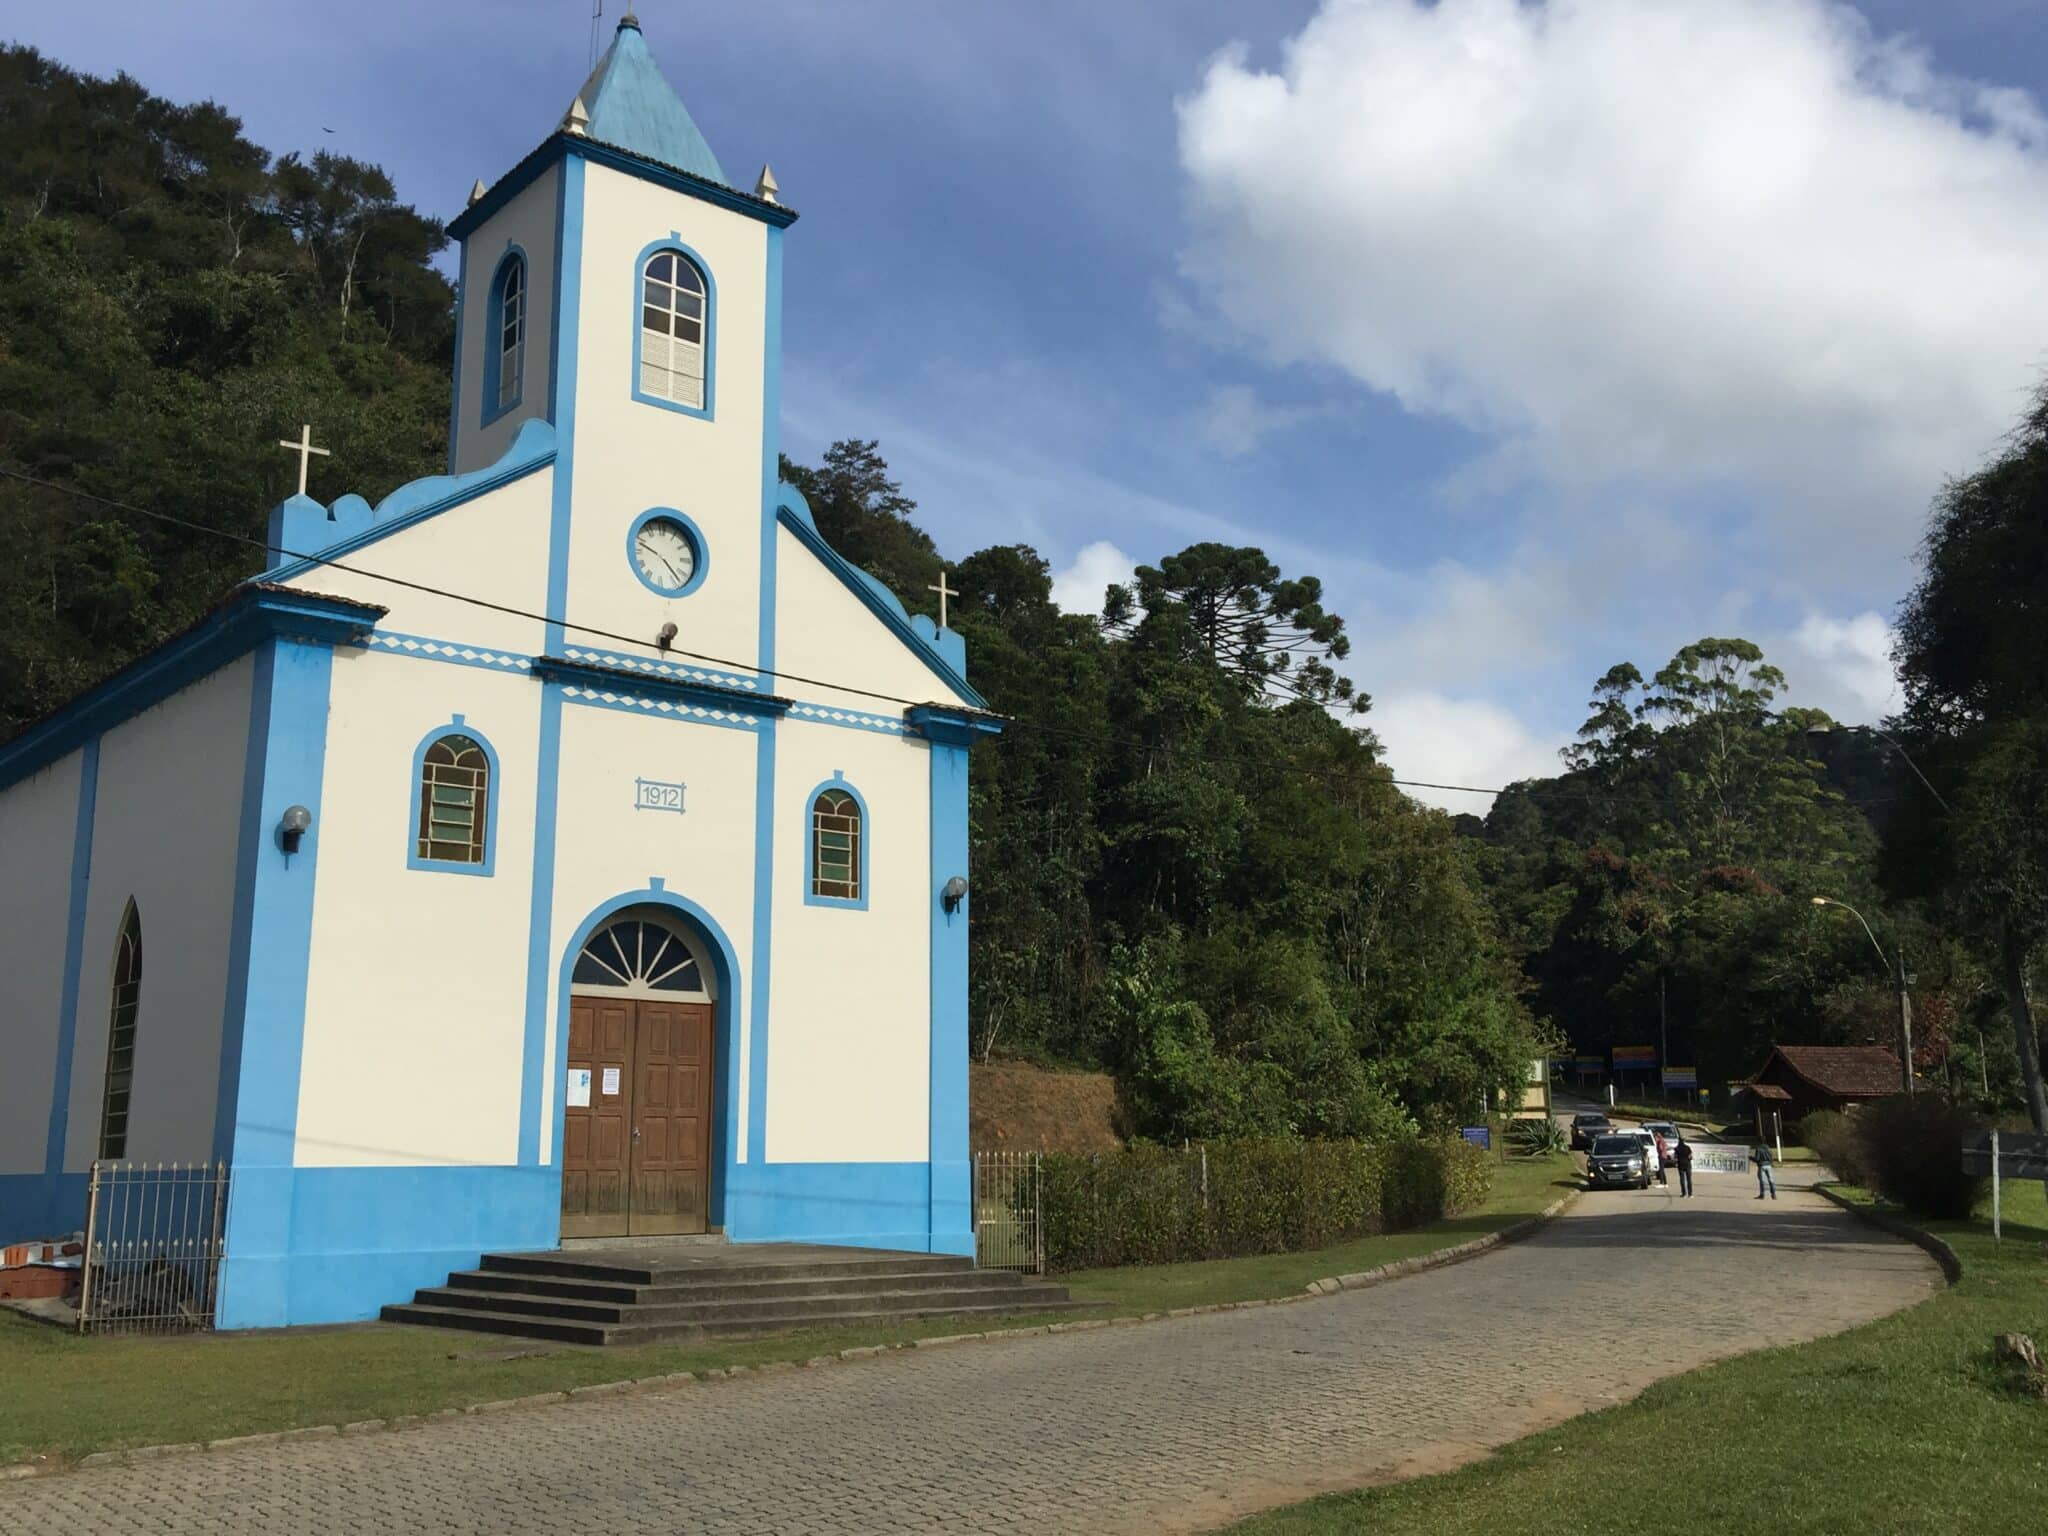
(1741, 243)
(1450, 740)
(1844, 666)
(1234, 421)
(1079, 587)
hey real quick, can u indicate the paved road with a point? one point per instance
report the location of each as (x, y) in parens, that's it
(1171, 1426)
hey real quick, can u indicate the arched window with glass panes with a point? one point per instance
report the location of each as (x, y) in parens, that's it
(640, 954)
(508, 333)
(837, 852)
(454, 817)
(122, 1013)
(675, 321)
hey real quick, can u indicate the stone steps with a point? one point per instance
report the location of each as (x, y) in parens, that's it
(638, 1296)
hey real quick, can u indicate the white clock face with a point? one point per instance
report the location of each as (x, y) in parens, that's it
(665, 554)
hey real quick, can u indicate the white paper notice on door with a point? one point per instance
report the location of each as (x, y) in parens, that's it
(579, 1087)
(611, 1082)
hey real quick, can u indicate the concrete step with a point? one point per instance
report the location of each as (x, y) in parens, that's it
(719, 1286)
(681, 1271)
(511, 1324)
(821, 1309)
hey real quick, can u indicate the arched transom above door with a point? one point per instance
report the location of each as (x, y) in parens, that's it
(642, 952)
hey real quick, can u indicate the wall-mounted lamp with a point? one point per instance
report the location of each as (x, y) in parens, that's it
(666, 637)
(292, 826)
(954, 893)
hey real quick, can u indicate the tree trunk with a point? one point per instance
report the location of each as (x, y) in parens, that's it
(2014, 954)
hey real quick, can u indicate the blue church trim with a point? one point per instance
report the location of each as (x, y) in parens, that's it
(252, 613)
(303, 533)
(859, 903)
(673, 241)
(568, 305)
(540, 918)
(700, 549)
(265, 1041)
(74, 956)
(455, 376)
(650, 667)
(566, 147)
(643, 687)
(727, 1015)
(771, 448)
(878, 599)
(764, 943)
(414, 859)
(495, 406)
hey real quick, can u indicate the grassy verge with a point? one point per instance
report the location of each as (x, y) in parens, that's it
(1903, 1426)
(101, 1394)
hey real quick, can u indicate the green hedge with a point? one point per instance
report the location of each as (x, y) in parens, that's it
(1158, 1205)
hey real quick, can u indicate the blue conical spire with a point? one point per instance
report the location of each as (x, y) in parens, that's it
(626, 103)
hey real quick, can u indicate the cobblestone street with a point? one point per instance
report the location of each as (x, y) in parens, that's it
(1174, 1425)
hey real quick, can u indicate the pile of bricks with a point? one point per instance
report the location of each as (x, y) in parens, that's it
(30, 1271)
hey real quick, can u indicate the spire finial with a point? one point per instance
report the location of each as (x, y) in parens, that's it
(766, 188)
(476, 193)
(577, 119)
(629, 19)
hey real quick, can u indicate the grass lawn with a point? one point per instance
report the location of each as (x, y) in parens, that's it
(1902, 1426)
(92, 1394)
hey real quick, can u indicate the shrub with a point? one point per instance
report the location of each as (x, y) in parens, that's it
(1913, 1146)
(1157, 1205)
(1538, 1137)
(1838, 1140)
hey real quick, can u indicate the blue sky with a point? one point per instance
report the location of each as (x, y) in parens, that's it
(1548, 335)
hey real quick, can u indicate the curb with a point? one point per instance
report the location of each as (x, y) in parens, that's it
(1939, 1251)
(679, 1379)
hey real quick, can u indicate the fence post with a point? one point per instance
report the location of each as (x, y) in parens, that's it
(92, 1208)
(1995, 1237)
(1038, 1213)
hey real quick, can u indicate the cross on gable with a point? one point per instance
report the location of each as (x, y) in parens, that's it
(305, 450)
(944, 592)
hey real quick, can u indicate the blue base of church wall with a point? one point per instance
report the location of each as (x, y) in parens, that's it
(863, 1205)
(333, 1245)
(41, 1205)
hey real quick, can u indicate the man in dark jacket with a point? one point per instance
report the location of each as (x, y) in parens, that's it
(1683, 1157)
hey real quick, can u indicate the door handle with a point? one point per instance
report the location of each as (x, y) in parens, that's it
(636, 1133)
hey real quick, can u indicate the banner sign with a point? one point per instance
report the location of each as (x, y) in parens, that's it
(1585, 1064)
(1635, 1058)
(1480, 1136)
(1681, 1077)
(2020, 1155)
(1719, 1159)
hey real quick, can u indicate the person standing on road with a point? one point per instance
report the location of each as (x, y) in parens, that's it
(1760, 1154)
(1663, 1158)
(1683, 1157)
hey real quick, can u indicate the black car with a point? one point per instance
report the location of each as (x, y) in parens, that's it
(1618, 1162)
(1585, 1128)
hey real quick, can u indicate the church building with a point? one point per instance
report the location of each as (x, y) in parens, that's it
(571, 845)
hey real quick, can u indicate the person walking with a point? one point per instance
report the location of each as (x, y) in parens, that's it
(1663, 1158)
(1683, 1157)
(1760, 1154)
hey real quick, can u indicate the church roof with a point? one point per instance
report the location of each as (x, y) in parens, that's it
(630, 106)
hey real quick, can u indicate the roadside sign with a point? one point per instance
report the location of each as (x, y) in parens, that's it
(1635, 1058)
(1589, 1065)
(1681, 1077)
(2021, 1155)
(1480, 1136)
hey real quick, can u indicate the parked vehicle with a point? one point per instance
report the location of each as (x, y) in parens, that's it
(1618, 1162)
(1587, 1126)
(1664, 1128)
(1643, 1134)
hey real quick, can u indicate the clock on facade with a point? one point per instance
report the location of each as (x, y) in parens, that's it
(666, 554)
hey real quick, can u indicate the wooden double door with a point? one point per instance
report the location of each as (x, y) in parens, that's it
(636, 1154)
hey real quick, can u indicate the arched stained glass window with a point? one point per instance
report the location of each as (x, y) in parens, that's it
(455, 790)
(126, 1004)
(835, 846)
(640, 955)
(673, 320)
(509, 318)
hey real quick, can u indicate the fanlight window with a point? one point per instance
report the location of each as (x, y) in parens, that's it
(835, 846)
(641, 956)
(672, 324)
(121, 1037)
(511, 330)
(455, 788)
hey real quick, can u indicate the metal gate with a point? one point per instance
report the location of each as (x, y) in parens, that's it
(152, 1246)
(1009, 1211)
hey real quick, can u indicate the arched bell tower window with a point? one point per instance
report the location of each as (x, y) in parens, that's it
(673, 346)
(640, 954)
(454, 801)
(505, 340)
(121, 1016)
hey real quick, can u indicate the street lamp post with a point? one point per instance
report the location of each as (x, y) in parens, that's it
(1819, 731)
(1898, 976)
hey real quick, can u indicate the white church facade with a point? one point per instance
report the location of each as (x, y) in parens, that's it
(571, 845)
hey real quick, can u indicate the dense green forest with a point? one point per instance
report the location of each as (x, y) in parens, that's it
(1190, 864)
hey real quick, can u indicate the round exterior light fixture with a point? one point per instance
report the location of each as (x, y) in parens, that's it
(292, 826)
(954, 893)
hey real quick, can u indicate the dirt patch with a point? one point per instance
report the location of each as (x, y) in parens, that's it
(1020, 1108)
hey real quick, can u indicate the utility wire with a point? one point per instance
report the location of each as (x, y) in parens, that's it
(1047, 727)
